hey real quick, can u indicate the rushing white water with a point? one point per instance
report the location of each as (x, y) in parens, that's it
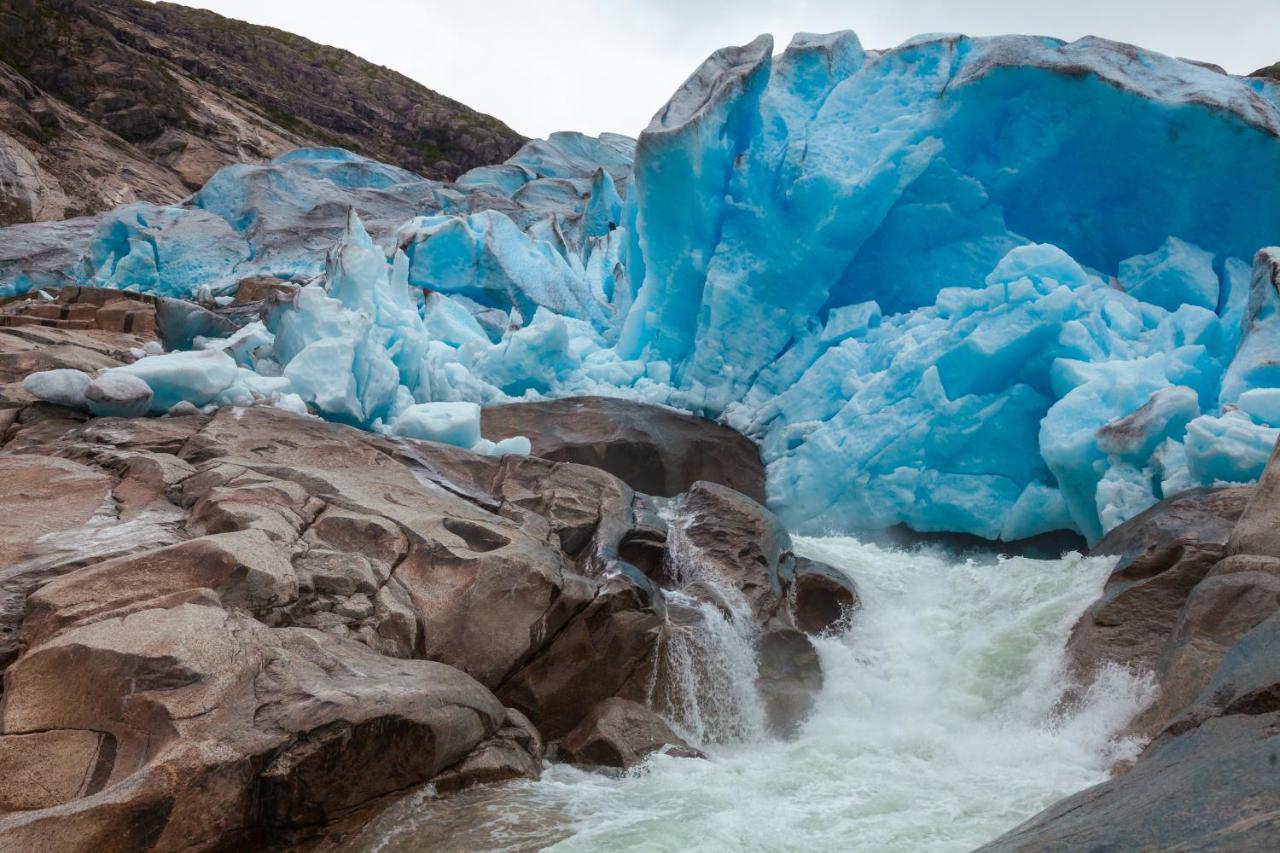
(936, 731)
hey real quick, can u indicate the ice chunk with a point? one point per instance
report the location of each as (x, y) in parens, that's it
(1176, 274)
(198, 377)
(1230, 448)
(116, 394)
(167, 251)
(448, 423)
(63, 387)
(487, 258)
(1261, 404)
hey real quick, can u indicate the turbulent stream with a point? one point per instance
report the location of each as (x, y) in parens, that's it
(936, 731)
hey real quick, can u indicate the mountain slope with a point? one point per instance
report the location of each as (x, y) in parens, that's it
(104, 102)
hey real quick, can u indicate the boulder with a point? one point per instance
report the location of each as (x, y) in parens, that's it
(1212, 788)
(619, 733)
(514, 752)
(726, 540)
(606, 650)
(822, 598)
(652, 449)
(790, 679)
(118, 395)
(1165, 552)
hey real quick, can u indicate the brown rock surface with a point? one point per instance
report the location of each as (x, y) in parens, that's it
(253, 623)
(654, 450)
(621, 734)
(1165, 552)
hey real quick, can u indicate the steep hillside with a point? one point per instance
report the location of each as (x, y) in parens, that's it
(109, 101)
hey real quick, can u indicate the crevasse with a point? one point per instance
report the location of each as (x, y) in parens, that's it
(993, 286)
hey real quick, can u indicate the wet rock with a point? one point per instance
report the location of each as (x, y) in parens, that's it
(723, 536)
(621, 734)
(1238, 594)
(822, 598)
(790, 679)
(652, 449)
(40, 496)
(1246, 682)
(1258, 529)
(1165, 552)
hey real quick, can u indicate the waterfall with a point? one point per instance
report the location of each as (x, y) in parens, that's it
(704, 674)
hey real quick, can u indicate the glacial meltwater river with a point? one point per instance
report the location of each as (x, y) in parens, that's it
(936, 731)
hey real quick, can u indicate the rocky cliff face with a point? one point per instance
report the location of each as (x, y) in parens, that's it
(107, 102)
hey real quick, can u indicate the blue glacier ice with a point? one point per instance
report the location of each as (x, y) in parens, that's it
(998, 286)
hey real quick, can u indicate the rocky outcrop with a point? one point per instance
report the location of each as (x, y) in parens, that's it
(654, 450)
(227, 629)
(109, 102)
(1141, 620)
(1195, 600)
(620, 734)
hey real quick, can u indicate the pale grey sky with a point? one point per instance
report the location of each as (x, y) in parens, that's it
(597, 66)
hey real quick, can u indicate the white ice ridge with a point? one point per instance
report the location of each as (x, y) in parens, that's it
(993, 286)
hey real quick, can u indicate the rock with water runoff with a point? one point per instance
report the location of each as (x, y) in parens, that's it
(822, 599)
(1165, 553)
(790, 679)
(732, 541)
(621, 734)
(652, 449)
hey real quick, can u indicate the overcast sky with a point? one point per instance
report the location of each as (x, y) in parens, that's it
(597, 66)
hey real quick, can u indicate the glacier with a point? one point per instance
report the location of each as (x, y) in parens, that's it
(993, 286)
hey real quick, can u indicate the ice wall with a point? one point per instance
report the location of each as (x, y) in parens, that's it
(993, 286)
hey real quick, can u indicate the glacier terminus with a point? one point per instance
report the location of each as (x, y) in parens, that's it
(993, 286)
